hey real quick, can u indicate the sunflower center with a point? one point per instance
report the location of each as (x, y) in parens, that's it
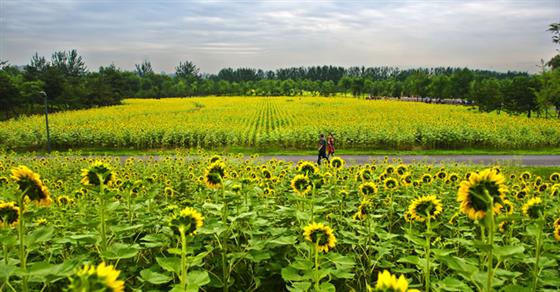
(319, 237)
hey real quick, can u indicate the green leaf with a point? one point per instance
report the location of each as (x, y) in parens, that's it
(123, 228)
(6, 270)
(326, 286)
(410, 260)
(197, 279)
(154, 277)
(170, 264)
(284, 240)
(40, 234)
(459, 265)
(121, 251)
(299, 287)
(453, 284)
(507, 251)
(291, 274)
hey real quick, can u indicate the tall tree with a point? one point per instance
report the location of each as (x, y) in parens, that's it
(144, 69)
(187, 71)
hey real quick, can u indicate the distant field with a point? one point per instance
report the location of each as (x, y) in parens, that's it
(280, 123)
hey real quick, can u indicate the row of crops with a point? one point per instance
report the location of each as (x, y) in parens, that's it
(228, 223)
(280, 122)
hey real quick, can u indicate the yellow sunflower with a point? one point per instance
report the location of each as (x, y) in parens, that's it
(321, 235)
(391, 183)
(427, 206)
(521, 194)
(475, 194)
(301, 184)
(533, 208)
(363, 210)
(525, 176)
(30, 183)
(555, 177)
(426, 178)
(556, 223)
(388, 282)
(307, 168)
(214, 174)
(9, 214)
(337, 162)
(101, 278)
(364, 175)
(505, 226)
(401, 169)
(557, 233)
(508, 207)
(187, 221)
(367, 188)
(98, 173)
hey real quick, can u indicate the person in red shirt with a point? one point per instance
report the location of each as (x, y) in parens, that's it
(330, 145)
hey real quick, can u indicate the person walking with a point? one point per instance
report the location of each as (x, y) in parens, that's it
(322, 149)
(330, 145)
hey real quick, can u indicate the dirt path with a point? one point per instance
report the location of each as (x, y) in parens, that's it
(520, 160)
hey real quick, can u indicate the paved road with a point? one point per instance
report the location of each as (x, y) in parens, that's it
(520, 160)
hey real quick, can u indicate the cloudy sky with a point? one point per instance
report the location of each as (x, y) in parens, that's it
(486, 34)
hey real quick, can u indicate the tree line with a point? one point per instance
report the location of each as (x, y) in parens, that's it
(68, 84)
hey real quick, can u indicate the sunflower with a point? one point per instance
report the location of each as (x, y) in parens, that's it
(364, 175)
(538, 181)
(9, 214)
(101, 278)
(476, 193)
(441, 175)
(557, 233)
(367, 188)
(427, 206)
(3, 180)
(98, 170)
(406, 179)
(215, 158)
(236, 188)
(301, 184)
(214, 174)
(41, 221)
(390, 169)
(521, 194)
(525, 176)
(307, 168)
(30, 183)
(401, 169)
(555, 177)
(391, 183)
(556, 223)
(337, 162)
(168, 192)
(426, 178)
(388, 282)
(321, 235)
(64, 200)
(533, 208)
(508, 207)
(453, 177)
(363, 210)
(505, 226)
(188, 221)
(266, 173)
(555, 190)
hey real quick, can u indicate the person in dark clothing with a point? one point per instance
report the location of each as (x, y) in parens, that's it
(322, 149)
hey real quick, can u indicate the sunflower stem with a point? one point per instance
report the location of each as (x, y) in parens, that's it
(313, 203)
(491, 227)
(102, 214)
(428, 250)
(183, 258)
(225, 275)
(317, 279)
(537, 255)
(21, 234)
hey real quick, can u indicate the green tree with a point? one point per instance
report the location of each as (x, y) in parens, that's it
(486, 94)
(549, 93)
(144, 69)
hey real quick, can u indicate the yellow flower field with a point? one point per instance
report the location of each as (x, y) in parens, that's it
(280, 122)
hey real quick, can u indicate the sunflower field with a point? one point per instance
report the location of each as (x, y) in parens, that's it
(280, 123)
(196, 221)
